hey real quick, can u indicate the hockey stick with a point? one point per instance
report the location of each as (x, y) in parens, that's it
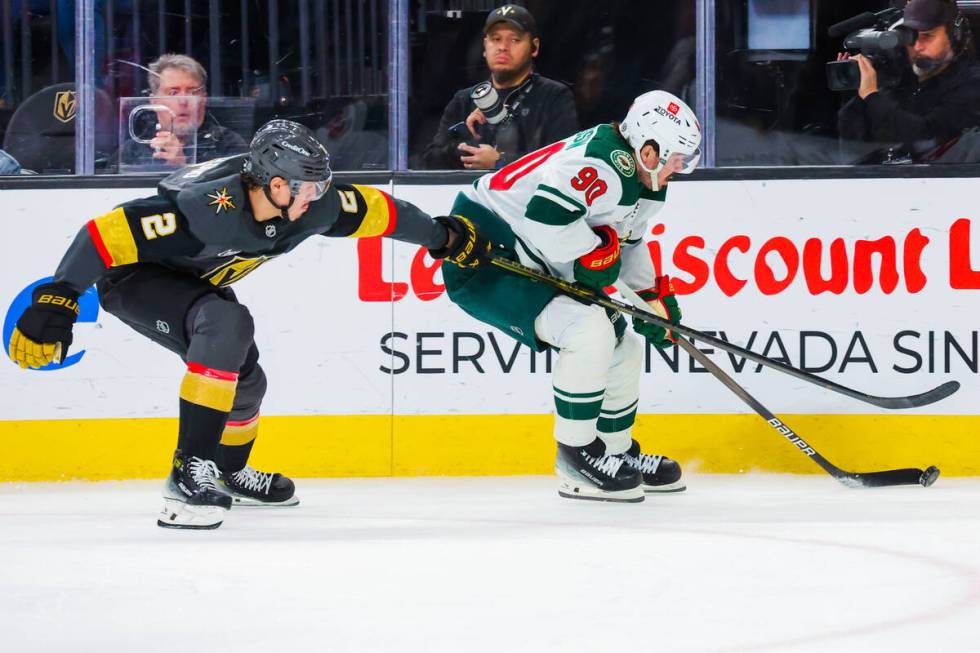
(583, 293)
(851, 479)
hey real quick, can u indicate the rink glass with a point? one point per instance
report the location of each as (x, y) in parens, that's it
(372, 77)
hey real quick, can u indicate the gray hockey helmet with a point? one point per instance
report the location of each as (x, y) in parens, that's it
(287, 149)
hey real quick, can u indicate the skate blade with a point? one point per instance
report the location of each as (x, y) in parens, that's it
(572, 491)
(178, 514)
(248, 502)
(667, 488)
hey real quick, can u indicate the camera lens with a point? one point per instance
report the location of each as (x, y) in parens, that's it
(487, 100)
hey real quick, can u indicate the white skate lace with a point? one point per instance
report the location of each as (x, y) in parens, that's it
(646, 463)
(253, 480)
(607, 464)
(204, 473)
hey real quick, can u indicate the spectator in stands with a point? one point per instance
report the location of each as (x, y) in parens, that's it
(173, 80)
(936, 106)
(8, 165)
(539, 110)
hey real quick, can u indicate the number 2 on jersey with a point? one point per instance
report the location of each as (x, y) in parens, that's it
(158, 225)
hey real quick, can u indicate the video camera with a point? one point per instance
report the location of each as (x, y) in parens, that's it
(881, 39)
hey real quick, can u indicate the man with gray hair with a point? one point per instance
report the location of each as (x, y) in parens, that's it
(179, 83)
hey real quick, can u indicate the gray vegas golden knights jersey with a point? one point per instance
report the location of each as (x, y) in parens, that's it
(200, 223)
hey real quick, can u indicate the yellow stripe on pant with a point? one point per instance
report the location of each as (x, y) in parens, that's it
(459, 445)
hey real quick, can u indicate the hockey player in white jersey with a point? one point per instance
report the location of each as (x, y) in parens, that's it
(579, 209)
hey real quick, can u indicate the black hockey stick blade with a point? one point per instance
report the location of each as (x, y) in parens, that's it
(910, 476)
(914, 401)
(850, 479)
(585, 294)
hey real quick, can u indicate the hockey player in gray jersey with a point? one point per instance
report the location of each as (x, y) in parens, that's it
(164, 264)
(579, 209)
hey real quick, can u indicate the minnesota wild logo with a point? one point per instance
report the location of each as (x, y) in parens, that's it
(623, 162)
(222, 200)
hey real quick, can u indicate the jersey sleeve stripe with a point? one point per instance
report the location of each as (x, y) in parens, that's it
(117, 238)
(551, 207)
(379, 217)
(560, 198)
(93, 233)
(392, 214)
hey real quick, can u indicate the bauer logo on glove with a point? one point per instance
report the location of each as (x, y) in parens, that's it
(58, 300)
(600, 267)
(465, 246)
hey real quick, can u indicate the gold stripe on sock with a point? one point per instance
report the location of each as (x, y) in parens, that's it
(237, 434)
(216, 394)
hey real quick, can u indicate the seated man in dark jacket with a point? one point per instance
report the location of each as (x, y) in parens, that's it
(536, 110)
(942, 100)
(175, 81)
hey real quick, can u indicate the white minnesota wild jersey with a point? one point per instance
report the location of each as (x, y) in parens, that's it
(553, 197)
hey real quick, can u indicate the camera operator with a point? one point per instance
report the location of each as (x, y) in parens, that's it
(940, 102)
(521, 110)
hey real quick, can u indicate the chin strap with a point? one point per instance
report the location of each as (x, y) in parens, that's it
(283, 210)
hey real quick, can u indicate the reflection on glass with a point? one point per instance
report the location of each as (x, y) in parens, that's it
(158, 134)
(779, 24)
(162, 133)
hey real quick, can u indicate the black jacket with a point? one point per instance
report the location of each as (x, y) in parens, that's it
(545, 113)
(920, 116)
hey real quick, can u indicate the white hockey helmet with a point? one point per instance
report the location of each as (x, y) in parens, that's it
(666, 119)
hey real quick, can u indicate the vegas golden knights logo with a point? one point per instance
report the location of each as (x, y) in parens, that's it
(65, 106)
(230, 272)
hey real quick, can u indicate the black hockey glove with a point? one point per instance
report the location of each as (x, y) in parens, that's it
(43, 332)
(469, 248)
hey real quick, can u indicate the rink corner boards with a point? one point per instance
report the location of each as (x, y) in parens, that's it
(477, 445)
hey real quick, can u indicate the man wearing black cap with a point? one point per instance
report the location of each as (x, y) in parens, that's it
(940, 102)
(536, 111)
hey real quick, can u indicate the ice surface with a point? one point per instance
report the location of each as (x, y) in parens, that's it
(747, 563)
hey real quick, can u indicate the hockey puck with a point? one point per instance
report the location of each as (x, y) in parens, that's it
(929, 476)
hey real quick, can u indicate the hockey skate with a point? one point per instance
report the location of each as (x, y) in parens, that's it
(660, 474)
(250, 487)
(191, 498)
(588, 473)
